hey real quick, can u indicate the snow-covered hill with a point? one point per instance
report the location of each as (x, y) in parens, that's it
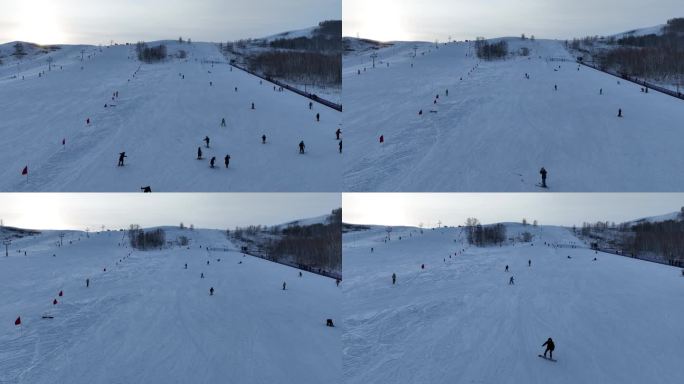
(614, 320)
(161, 116)
(496, 128)
(147, 319)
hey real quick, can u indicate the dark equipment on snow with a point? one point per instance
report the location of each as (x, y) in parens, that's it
(147, 189)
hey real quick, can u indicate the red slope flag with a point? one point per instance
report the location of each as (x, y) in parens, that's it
(25, 171)
(17, 321)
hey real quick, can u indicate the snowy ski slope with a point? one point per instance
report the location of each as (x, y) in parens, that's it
(149, 320)
(159, 120)
(614, 320)
(496, 129)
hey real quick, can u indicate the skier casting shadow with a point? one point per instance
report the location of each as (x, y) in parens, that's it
(550, 346)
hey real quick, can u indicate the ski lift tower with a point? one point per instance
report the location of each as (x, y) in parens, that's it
(61, 238)
(7, 243)
(374, 55)
(415, 51)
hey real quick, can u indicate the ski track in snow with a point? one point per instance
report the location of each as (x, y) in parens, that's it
(615, 320)
(159, 121)
(496, 129)
(149, 320)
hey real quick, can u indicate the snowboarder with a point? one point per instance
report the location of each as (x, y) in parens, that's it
(223, 122)
(199, 153)
(382, 139)
(301, 146)
(211, 291)
(284, 285)
(226, 160)
(122, 155)
(542, 171)
(212, 161)
(619, 112)
(206, 140)
(337, 134)
(87, 283)
(550, 346)
(511, 281)
(263, 139)
(394, 278)
(318, 117)
(340, 145)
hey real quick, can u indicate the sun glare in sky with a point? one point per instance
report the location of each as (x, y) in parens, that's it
(38, 21)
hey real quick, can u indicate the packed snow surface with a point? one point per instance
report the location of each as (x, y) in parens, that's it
(614, 320)
(147, 319)
(161, 116)
(497, 128)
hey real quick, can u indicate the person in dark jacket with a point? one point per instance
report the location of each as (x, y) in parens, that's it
(550, 346)
(394, 278)
(318, 117)
(263, 139)
(542, 172)
(199, 153)
(226, 160)
(337, 134)
(212, 161)
(301, 146)
(206, 140)
(211, 291)
(122, 155)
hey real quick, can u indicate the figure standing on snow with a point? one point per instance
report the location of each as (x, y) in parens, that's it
(199, 153)
(394, 278)
(542, 172)
(212, 161)
(301, 146)
(263, 139)
(206, 140)
(506, 270)
(550, 346)
(310, 105)
(252, 105)
(529, 263)
(601, 91)
(340, 145)
(511, 281)
(122, 155)
(318, 117)
(226, 160)
(211, 291)
(202, 275)
(223, 122)
(87, 283)
(337, 134)
(284, 285)
(619, 112)
(382, 139)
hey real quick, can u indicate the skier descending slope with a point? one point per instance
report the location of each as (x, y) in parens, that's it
(550, 346)
(206, 140)
(542, 172)
(212, 161)
(122, 155)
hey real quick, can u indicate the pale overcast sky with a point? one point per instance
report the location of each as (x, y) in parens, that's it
(429, 20)
(99, 21)
(408, 209)
(119, 210)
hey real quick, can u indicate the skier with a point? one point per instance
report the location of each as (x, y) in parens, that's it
(211, 162)
(340, 145)
(301, 146)
(186, 265)
(284, 285)
(550, 346)
(223, 122)
(511, 281)
(555, 87)
(394, 278)
(420, 113)
(206, 140)
(252, 105)
(447, 92)
(619, 112)
(87, 283)
(300, 273)
(529, 263)
(199, 153)
(542, 171)
(337, 134)
(263, 139)
(88, 121)
(506, 270)
(310, 105)
(122, 155)
(382, 139)
(318, 117)
(202, 275)
(226, 160)
(601, 91)
(211, 291)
